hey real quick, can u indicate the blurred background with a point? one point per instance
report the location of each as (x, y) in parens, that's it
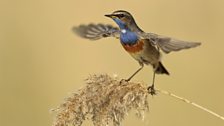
(42, 61)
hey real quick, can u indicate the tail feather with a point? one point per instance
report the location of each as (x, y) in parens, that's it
(160, 69)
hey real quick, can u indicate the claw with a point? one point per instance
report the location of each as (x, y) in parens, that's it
(124, 80)
(151, 90)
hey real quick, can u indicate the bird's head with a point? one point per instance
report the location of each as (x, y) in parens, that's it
(123, 19)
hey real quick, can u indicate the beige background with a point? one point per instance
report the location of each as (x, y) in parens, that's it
(42, 61)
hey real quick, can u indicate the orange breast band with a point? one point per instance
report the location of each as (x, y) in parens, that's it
(135, 47)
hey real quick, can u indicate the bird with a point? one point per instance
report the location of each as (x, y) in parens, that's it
(145, 48)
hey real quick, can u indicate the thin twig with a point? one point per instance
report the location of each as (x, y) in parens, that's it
(190, 102)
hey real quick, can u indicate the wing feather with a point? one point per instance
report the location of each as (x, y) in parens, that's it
(96, 31)
(167, 44)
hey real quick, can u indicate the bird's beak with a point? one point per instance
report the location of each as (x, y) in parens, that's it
(110, 15)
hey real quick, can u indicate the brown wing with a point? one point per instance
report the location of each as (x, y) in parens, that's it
(96, 31)
(167, 44)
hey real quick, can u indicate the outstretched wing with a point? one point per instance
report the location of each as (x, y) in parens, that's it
(167, 44)
(96, 31)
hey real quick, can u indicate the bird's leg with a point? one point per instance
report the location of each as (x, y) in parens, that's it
(142, 65)
(135, 73)
(151, 88)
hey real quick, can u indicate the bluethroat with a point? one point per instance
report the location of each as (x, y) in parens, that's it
(144, 47)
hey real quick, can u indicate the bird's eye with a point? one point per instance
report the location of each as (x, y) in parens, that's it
(121, 15)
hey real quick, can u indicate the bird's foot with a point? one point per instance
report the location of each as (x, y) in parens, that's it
(151, 90)
(124, 80)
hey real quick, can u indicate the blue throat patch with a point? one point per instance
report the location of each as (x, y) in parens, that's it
(126, 36)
